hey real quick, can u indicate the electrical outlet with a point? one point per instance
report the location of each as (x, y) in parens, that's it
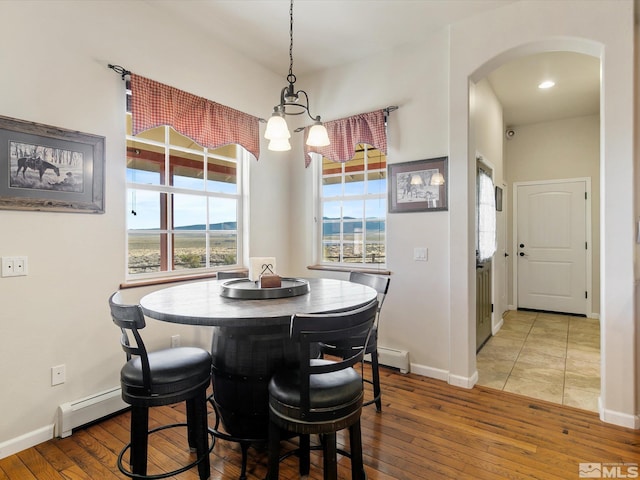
(58, 375)
(175, 341)
(14, 266)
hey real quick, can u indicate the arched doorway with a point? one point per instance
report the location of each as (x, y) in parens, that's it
(476, 48)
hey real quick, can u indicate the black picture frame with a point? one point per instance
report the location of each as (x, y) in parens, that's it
(47, 168)
(498, 199)
(418, 186)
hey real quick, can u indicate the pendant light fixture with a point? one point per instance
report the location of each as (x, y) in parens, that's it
(292, 103)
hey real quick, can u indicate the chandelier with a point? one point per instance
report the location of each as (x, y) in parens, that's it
(292, 102)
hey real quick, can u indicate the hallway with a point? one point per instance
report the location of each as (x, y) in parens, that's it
(545, 356)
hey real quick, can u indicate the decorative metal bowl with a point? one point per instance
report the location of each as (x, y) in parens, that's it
(246, 289)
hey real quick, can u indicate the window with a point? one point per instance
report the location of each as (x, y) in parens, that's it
(184, 204)
(486, 215)
(353, 206)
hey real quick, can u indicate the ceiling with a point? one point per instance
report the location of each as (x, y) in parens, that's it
(330, 33)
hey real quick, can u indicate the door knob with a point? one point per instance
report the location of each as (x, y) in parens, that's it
(521, 254)
(506, 254)
(522, 245)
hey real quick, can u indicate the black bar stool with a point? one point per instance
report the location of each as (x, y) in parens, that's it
(321, 396)
(162, 377)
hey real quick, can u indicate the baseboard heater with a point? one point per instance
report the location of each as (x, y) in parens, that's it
(87, 410)
(394, 358)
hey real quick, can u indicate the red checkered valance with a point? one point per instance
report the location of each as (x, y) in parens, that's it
(207, 123)
(346, 133)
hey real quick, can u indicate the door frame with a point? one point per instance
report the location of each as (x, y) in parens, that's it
(588, 236)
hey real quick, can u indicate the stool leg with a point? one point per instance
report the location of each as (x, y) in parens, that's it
(305, 447)
(200, 433)
(139, 439)
(375, 371)
(244, 446)
(192, 419)
(355, 444)
(274, 452)
(330, 456)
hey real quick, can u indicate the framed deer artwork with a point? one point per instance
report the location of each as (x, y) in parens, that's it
(50, 168)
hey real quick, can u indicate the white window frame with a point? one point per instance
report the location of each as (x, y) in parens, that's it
(318, 184)
(240, 196)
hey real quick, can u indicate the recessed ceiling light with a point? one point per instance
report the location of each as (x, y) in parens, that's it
(547, 84)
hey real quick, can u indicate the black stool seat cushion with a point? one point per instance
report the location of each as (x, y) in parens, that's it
(327, 390)
(172, 370)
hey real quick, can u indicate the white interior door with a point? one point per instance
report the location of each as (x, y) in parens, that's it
(551, 248)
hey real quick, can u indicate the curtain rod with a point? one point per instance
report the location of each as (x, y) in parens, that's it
(123, 72)
(120, 70)
(386, 110)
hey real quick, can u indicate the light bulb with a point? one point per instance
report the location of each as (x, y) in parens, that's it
(277, 128)
(318, 136)
(279, 145)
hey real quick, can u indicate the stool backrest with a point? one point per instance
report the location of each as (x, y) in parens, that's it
(310, 329)
(378, 282)
(130, 319)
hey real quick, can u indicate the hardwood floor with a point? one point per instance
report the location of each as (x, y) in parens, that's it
(427, 430)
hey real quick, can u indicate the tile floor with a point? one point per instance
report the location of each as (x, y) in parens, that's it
(545, 356)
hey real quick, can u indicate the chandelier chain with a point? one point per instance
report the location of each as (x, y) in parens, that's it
(291, 78)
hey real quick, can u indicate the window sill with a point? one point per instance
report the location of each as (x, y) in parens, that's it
(161, 281)
(330, 268)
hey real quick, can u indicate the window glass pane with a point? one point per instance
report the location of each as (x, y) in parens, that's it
(189, 211)
(329, 167)
(331, 252)
(144, 209)
(222, 175)
(144, 252)
(223, 248)
(375, 253)
(376, 160)
(353, 209)
(187, 170)
(189, 250)
(145, 163)
(354, 174)
(331, 210)
(352, 238)
(223, 214)
(375, 209)
(377, 183)
(332, 186)
(354, 184)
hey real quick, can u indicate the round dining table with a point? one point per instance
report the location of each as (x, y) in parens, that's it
(250, 339)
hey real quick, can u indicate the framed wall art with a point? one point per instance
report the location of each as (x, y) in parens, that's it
(418, 186)
(49, 168)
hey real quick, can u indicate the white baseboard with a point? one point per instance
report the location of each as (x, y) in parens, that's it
(618, 418)
(464, 382)
(444, 375)
(430, 372)
(27, 440)
(594, 315)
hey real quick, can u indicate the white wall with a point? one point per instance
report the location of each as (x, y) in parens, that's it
(53, 59)
(568, 148)
(415, 315)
